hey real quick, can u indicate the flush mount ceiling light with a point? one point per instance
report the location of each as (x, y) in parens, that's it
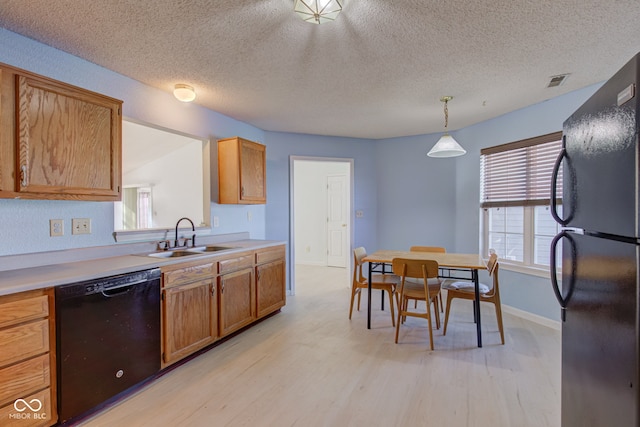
(318, 11)
(184, 93)
(446, 145)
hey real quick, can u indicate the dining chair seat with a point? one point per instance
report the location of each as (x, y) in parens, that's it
(466, 287)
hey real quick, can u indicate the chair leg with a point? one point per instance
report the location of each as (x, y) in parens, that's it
(359, 293)
(436, 312)
(440, 298)
(353, 295)
(446, 314)
(398, 321)
(499, 317)
(430, 326)
(393, 320)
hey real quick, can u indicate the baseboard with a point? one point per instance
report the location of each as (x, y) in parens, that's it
(544, 321)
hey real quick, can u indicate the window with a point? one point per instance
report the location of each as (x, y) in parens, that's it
(515, 199)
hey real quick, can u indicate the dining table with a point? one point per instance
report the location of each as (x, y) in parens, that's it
(452, 266)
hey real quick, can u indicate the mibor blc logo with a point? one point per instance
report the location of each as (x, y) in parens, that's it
(28, 410)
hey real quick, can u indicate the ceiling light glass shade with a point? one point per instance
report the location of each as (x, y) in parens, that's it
(318, 11)
(446, 147)
(184, 93)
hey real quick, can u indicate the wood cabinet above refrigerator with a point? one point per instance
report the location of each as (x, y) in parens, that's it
(57, 141)
(241, 172)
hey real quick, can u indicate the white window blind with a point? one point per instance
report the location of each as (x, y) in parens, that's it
(519, 173)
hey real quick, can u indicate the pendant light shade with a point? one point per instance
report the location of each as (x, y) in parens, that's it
(318, 11)
(446, 145)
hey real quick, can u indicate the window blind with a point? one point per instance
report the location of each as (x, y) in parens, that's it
(519, 173)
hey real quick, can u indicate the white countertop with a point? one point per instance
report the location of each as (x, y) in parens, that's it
(44, 276)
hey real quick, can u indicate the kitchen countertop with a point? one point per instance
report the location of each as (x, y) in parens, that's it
(44, 276)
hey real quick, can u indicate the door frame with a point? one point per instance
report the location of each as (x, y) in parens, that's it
(350, 215)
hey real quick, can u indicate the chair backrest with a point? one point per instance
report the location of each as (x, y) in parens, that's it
(415, 268)
(358, 256)
(492, 264)
(438, 249)
(492, 268)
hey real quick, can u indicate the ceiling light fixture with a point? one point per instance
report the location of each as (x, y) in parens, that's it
(184, 93)
(446, 145)
(318, 11)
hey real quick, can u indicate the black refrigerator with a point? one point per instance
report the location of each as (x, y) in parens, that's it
(599, 290)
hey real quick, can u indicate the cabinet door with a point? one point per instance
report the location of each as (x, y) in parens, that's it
(237, 300)
(252, 172)
(190, 319)
(68, 141)
(270, 287)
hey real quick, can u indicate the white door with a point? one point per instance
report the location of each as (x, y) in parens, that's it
(337, 211)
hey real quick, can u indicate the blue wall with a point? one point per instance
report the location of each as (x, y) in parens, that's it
(407, 197)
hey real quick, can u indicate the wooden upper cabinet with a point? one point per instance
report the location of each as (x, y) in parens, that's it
(241, 172)
(67, 141)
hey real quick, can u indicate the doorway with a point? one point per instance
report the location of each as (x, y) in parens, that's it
(321, 192)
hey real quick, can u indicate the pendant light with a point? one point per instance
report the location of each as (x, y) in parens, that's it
(318, 11)
(446, 145)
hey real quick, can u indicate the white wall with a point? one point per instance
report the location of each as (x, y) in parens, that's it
(310, 195)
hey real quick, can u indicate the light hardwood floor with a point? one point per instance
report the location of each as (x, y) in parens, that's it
(310, 366)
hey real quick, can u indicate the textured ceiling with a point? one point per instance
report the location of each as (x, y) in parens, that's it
(378, 71)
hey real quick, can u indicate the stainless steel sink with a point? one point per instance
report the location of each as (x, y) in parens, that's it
(173, 254)
(211, 248)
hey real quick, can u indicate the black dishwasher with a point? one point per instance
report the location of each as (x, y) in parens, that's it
(108, 338)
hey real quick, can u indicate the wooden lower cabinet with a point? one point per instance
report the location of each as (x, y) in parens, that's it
(270, 287)
(27, 359)
(190, 319)
(237, 300)
(189, 310)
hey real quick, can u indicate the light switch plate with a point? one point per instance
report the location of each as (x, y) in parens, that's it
(81, 226)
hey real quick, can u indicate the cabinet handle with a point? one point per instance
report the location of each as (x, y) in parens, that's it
(23, 175)
(213, 291)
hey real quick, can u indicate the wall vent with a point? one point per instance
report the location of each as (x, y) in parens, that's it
(556, 81)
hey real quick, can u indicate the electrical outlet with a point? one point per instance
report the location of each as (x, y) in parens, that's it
(359, 214)
(56, 227)
(81, 226)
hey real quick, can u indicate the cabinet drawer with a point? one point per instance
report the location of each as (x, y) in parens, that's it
(43, 416)
(188, 274)
(22, 378)
(271, 254)
(23, 310)
(233, 264)
(23, 341)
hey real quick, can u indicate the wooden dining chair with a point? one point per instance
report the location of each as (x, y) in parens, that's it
(426, 290)
(466, 290)
(437, 249)
(385, 282)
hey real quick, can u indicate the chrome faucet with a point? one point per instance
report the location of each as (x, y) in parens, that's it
(193, 237)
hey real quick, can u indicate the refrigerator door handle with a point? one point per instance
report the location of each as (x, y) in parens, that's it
(554, 186)
(563, 300)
